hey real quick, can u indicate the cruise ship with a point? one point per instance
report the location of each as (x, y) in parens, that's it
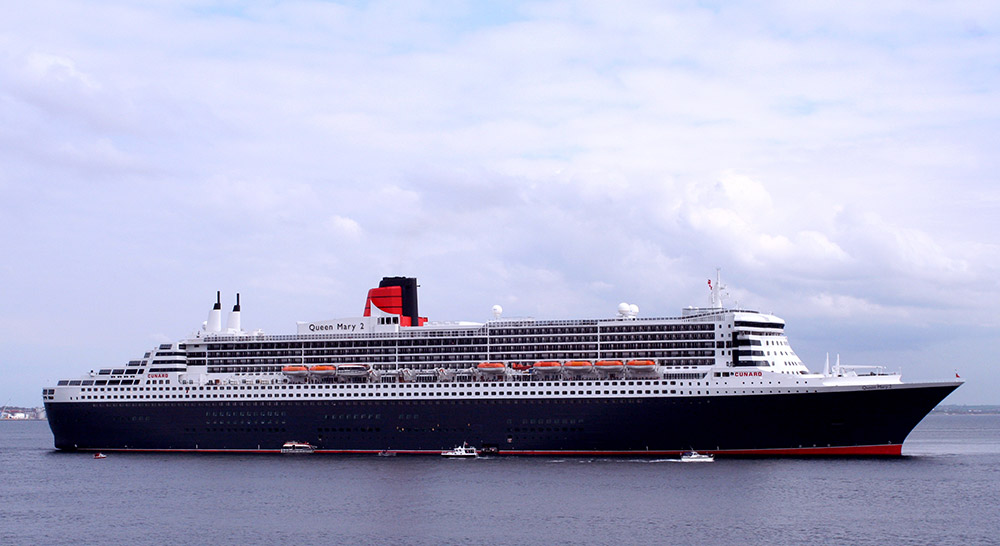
(722, 381)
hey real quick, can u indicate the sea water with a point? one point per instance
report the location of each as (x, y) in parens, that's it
(945, 490)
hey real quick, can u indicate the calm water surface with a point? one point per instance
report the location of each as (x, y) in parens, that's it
(946, 490)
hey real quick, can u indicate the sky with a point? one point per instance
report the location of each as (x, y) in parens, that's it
(837, 161)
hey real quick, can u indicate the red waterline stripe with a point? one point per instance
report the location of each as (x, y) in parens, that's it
(878, 450)
(882, 449)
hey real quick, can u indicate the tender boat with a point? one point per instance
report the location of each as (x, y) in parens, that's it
(386, 453)
(463, 451)
(695, 457)
(100, 456)
(297, 447)
(352, 370)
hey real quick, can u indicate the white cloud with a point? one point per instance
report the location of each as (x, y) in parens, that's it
(905, 251)
(344, 227)
(826, 305)
(59, 70)
(556, 158)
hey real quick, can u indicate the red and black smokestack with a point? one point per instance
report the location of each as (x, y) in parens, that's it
(408, 296)
(397, 296)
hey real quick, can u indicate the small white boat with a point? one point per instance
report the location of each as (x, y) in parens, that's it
(297, 447)
(100, 455)
(464, 451)
(695, 457)
(386, 453)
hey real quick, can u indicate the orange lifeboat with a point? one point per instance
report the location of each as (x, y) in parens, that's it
(491, 368)
(323, 370)
(547, 366)
(578, 367)
(295, 371)
(641, 366)
(519, 366)
(609, 366)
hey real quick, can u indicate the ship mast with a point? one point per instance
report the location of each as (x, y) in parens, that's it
(717, 289)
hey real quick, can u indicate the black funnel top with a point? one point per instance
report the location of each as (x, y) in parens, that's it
(408, 293)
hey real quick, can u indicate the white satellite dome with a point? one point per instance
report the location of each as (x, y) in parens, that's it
(497, 311)
(623, 309)
(633, 309)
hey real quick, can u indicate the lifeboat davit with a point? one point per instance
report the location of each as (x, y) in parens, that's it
(323, 370)
(352, 370)
(609, 366)
(491, 368)
(644, 366)
(295, 371)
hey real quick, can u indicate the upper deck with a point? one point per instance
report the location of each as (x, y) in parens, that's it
(388, 345)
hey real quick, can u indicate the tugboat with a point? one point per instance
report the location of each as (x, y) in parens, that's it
(695, 457)
(297, 447)
(464, 451)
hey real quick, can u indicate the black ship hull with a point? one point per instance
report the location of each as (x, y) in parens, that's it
(836, 422)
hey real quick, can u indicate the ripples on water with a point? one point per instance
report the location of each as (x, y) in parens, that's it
(945, 491)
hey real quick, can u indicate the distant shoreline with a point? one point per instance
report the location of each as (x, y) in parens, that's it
(20, 413)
